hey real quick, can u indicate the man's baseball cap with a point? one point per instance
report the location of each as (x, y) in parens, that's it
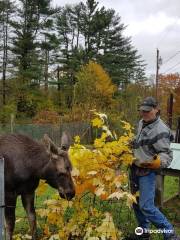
(148, 104)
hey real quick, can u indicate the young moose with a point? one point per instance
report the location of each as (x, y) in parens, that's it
(26, 162)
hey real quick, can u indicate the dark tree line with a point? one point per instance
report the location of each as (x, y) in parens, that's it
(42, 46)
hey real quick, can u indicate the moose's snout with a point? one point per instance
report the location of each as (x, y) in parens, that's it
(67, 195)
(70, 195)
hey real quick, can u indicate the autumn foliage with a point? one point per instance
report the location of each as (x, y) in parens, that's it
(47, 117)
(94, 86)
(100, 173)
(170, 83)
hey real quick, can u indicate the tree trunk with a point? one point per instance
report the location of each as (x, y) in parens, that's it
(4, 70)
(46, 70)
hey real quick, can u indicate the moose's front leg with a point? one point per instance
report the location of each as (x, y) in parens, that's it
(10, 206)
(28, 204)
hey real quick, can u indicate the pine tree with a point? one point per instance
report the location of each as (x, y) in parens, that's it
(32, 17)
(7, 8)
(119, 57)
(102, 39)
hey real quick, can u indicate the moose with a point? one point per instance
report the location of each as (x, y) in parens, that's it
(26, 162)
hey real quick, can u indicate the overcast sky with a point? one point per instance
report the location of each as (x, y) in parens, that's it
(151, 24)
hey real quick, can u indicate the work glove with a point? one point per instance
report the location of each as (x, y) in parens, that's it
(154, 164)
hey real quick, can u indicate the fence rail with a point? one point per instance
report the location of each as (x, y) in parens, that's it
(1, 198)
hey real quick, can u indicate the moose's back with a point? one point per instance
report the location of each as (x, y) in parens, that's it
(26, 162)
(24, 159)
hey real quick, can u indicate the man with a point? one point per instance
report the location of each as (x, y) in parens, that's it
(152, 152)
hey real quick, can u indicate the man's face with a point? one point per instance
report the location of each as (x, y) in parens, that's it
(149, 116)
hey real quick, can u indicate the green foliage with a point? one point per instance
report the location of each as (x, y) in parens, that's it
(101, 33)
(26, 105)
(6, 112)
(32, 102)
(130, 98)
(49, 46)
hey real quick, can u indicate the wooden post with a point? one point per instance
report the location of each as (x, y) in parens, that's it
(12, 123)
(1, 198)
(58, 78)
(157, 73)
(177, 137)
(170, 110)
(159, 190)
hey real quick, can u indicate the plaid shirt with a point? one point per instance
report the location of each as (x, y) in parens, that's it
(151, 140)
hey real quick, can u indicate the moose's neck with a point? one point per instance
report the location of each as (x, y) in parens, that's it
(46, 170)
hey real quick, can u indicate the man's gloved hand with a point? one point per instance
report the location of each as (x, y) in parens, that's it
(154, 164)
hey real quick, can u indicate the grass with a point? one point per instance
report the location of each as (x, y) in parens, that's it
(171, 185)
(123, 216)
(22, 225)
(172, 207)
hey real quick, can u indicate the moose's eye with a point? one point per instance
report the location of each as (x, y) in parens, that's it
(64, 147)
(68, 169)
(59, 175)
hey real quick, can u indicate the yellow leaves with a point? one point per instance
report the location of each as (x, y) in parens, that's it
(129, 133)
(56, 237)
(41, 188)
(21, 237)
(96, 182)
(97, 122)
(127, 159)
(53, 217)
(109, 175)
(99, 191)
(77, 139)
(130, 199)
(75, 172)
(101, 115)
(42, 212)
(96, 167)
(99, 142)
(127, 126)
(118, 195)
(107, 229)
(120, 180)
(94, 171)
(94, 86)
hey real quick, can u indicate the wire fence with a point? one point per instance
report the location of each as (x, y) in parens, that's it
(82, 129)
(123, 217)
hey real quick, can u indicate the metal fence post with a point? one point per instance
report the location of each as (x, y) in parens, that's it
(1, 198)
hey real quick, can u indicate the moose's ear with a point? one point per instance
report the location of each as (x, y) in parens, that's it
(49, 144)
(65, 141)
